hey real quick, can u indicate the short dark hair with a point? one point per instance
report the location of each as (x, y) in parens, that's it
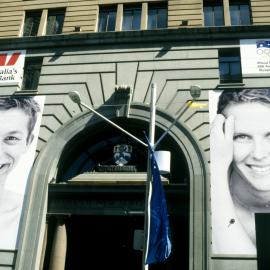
(27, 104)
(235, 96)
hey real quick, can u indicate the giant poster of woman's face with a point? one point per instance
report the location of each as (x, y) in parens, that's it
(20, 119)
(240, 166)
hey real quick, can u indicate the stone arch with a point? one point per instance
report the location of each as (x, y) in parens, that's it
(46, 168)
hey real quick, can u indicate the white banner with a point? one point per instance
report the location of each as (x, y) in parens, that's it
(240, 167)
(20, 119)
(255, 56)
(11, 67)
(240, 156)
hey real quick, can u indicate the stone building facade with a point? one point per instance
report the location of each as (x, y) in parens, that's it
(97, 48)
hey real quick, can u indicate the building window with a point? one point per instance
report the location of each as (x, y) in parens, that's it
(132, 18)
(55, 21)
(107, 19)
(157, 16)
(31, 23)
(230, 66)
(213, 13)
(240, 13)
(32, 68)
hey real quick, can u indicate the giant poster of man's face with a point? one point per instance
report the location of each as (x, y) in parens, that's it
(20, 119)
(240, 167)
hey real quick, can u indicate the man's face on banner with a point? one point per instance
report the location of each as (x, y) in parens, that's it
(252, 143)
(13, 139)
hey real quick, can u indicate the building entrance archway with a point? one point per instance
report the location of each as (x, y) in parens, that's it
(109, 229)
(70, 140)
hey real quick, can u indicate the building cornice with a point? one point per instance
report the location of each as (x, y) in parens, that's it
(142, 37)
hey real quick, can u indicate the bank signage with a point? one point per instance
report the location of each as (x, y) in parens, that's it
(255, 56)
(11, 67)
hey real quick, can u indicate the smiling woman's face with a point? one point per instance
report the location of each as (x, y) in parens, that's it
(252, 142)
(13, 139)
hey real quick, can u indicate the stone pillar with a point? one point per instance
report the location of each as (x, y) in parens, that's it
(227, 16)
(43, 23)
(44, 245)
(59, 246)
(119, 17)
(144, 17)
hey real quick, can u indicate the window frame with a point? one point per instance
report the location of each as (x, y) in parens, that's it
(31, 73)
(240, 17)
(108, 8)
(157, 7)
(28, 13)
(213, 13)
(132, 8)
(55, 12)
(43, 21)
(143, 20)
(228, 58)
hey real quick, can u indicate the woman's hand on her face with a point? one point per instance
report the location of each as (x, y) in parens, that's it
(221, 141)
(222, 206)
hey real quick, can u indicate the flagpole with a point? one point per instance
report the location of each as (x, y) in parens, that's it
(195, 92)
(75, 97)
(148, 182)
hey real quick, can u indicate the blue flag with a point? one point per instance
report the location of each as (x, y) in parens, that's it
(159, 245)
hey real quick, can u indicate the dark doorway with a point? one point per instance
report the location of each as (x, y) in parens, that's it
(103, 242)
(106, 242)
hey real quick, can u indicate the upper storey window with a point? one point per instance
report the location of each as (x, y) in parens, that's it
(31, 23)
(52, 21)
(132, 18)
(213, 13)
(240, 13)
(107, 19)
(141, 16)
(218, 13)
(55, 22)
(157, 16)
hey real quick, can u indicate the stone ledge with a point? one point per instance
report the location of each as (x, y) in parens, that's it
(192, 34)
(111, 178)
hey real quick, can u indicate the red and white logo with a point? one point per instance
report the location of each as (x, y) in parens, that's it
(9, 61)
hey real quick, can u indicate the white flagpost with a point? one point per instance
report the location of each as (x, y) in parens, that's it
(75, 97)
(149, 173)
(195, 92)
